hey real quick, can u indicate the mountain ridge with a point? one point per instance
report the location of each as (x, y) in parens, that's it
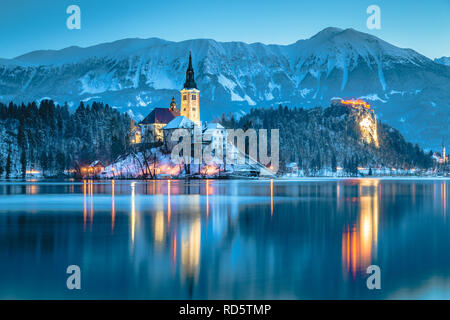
(135, 75)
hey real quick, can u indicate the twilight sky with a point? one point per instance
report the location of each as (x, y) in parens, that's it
(27, 25)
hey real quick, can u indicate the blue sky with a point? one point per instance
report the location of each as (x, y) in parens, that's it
(28, 25)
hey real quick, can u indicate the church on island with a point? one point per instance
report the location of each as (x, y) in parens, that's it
(156, 130)
(158, 125)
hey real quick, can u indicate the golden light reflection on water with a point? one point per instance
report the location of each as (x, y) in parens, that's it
(444, 198)
(207, 199)
(91, 203)
(169, 211)
(173, 256)
(271, 197)
(159, 228)
(359, 241)
(32, 189)
(84, 206)
(190, 249)
(113, 206)
(133, 211)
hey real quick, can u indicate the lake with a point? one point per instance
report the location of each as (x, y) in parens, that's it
(225, 239)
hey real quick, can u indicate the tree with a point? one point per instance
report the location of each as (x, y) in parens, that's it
(22, 143)
(8, 163)
(117, 147)
(23, 162)
(44, 162)
(60, 161)
(1, 166)
(333, 162)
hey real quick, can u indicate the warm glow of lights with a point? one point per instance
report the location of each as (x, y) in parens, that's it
(159, 227)
(365, 123)
(169, 211)
(360, 241)
(91, 171)
(133, 211)
(207, 199)
(190, 249)
(91, 199)
(444, 197)
(113, 208)
(166, 169)
(368, 127)
(32, 189)
(85, 207)
(271, 197)
(210, 170)
(174, 248)
(356, 102)
(33, 171)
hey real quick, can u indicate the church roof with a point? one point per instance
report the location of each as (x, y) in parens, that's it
(160, 115)
(96, 163)
(180, 122)
(190, 80)
(213, 126)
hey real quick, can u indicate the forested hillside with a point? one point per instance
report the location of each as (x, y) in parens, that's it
(326, 138)
(50, 139)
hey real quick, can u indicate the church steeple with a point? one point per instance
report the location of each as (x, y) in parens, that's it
(190, 80)
(173, 105)
(190, 96)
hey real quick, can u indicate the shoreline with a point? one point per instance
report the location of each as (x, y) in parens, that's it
(283, 179)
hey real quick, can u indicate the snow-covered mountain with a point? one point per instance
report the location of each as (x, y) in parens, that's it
(443, 60)
(408, 90)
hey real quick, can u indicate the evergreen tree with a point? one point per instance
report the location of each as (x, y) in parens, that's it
(44, 162)
(333, 162)
(23, 162)
(21, 141)
(8, 163)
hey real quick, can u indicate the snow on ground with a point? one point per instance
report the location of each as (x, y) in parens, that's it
(155, 163)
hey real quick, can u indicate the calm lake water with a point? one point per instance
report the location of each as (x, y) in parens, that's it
(304, 239)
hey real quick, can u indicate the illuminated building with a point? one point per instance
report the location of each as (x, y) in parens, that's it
(190, 96)
(368, 119)
(152, 126)
(156, 120)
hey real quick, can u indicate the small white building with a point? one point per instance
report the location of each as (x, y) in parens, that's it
(215, 134)
(180, 122)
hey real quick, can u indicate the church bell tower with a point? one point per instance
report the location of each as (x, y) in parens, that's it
(190, 96)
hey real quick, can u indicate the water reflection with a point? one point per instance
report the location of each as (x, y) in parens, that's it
(159, 228)
(133, 211)
(190, 251)
(271, 197)
(91, 203)
(444, 199)
(359, 239)
(169, 212)
(216, 239)
(113, 206)
(84, 205)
